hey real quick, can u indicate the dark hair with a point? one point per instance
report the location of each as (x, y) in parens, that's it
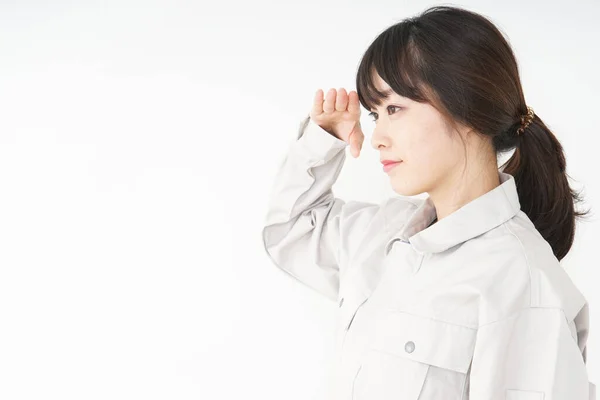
(460, 63)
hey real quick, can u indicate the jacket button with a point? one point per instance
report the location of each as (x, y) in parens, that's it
(409, 347)
(341, 301)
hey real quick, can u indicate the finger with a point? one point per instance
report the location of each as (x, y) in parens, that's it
(329, 104)
(353, 103)
(317, 107)
(341, 102)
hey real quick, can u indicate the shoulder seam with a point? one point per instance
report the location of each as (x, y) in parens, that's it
(531, 299)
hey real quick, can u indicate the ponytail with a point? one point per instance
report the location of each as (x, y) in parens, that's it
(539, 168)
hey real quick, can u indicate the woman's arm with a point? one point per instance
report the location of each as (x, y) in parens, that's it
(307, 228)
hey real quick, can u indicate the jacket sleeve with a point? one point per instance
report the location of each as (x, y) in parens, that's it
(532, 355)
(307, 230)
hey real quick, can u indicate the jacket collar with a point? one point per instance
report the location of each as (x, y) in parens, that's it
(473, 219)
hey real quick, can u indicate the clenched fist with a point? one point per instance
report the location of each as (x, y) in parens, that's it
(339, 114)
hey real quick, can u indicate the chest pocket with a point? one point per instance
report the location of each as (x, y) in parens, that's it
(411, 357)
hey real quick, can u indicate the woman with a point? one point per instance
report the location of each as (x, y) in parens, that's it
(460, 295)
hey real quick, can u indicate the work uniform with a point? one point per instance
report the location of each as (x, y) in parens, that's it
(474, 306)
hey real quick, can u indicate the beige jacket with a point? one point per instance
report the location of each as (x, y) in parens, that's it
(475, 306)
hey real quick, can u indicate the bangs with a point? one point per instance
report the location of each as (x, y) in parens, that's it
(395, 57)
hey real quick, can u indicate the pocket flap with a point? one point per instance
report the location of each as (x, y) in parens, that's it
(425, 340)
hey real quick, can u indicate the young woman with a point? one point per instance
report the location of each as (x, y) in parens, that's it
(460, 295)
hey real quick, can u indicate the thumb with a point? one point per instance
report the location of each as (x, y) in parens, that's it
(356, 140)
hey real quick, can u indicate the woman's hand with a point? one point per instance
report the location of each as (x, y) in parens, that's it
(339, 114)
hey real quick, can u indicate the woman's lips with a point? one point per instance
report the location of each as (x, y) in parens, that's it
(389, 166)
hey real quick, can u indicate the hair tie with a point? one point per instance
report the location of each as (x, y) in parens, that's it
(525, 120)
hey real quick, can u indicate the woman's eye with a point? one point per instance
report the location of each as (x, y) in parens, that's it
(374, 114)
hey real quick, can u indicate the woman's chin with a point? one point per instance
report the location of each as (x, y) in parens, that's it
(404, 189)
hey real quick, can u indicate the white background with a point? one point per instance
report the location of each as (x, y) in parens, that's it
(138, 143)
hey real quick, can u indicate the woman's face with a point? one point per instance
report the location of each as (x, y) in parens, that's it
(417, 134)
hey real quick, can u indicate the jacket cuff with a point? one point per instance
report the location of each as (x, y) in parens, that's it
(317, 141)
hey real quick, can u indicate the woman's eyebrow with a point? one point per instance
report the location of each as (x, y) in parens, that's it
(388, 93)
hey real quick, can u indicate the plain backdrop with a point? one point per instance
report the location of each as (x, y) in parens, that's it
(138, 144)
